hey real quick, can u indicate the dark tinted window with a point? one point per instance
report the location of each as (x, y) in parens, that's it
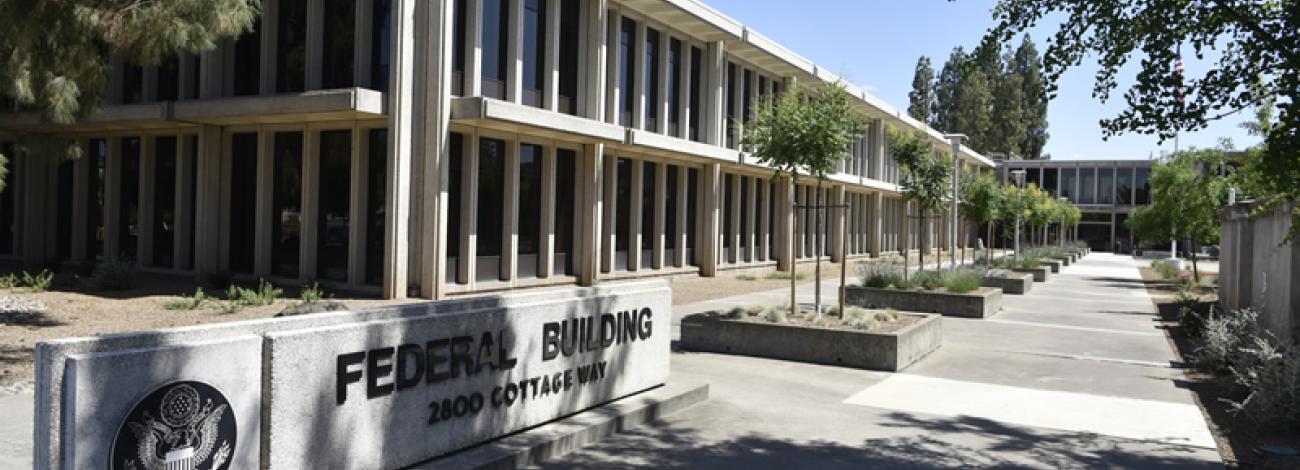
(376, 191)
(340, 44)
(495, 37)
(248, 61)
(164, 202)
(381, 44)
(533, 54)
(286, 204)
(291, 46)
(334, 211)
(129, 207)
(491, 190)
(243, 201)
(530, 198)
(571, 49)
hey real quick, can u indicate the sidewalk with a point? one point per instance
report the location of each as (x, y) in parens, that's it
(1073, 375)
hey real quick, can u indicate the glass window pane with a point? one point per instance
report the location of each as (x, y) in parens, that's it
(565, 184)
(1087, 193)
(627, 71)
(164, 202)
(63, 240)
(381, 44)
(695, 93)
(670, 208)
(1124, 186)
(530, 198)
(1143, 186)
(491, 189)
(129, 208)
(648, 198)
(495, 37)
(286, 204)
(169, 78)
(243, 201)
(334, 210)
(570, 22)
(339, 44)
(1105, 185)
(291, 46)
(534, 42)
(651, 79)
(376, 191)
(95, 204)
(248, 61)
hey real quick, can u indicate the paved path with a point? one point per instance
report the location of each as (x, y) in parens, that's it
(1074, 375)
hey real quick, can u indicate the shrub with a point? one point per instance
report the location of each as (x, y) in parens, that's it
(775, 314)
(755, 310)
(1165, 269)
(1028, 263)
(1223, 338)
(962, 280)
(238, 297)
(38, 282)
(880, 275)
(115, 275)
(888, 314)
(184, 302)
(312, 292)
(1270, 373)
(860, 318)
(9, 281)
(928, 280)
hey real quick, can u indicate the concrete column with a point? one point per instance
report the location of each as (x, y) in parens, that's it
(613, 57)
(664, 41)
(315, 48)
(265, 188)
(34, 174)
(510, 215)
(401, 129)
(207, 192)
(551, 89)
(357, 210)
(611, 212)
(634, 217)
(679, 253)
(514, 52)
(764, 239)
(473, 51)
(466, 269)
(879, 139)
(660, 210)
(144, 239)
(639, 85)
(711, 178)
(587, 244)
(750, 200)
(310, 206)
(546, 248)
(113, 199)
(786, 224)
(433, 236)
(596, 54)
(714, 111)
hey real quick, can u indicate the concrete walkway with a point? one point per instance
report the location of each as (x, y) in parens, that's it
(1075, 374)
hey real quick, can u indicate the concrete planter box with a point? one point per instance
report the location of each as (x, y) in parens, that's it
(1065, 260)
(1040, 273)
(980, 303)
(891, 352)
(1055, 265)
(1012, 283)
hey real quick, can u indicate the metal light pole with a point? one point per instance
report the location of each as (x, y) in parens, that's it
(1019, 175)
(956, 140)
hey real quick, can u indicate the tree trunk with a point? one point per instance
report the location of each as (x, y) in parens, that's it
(989, 249)
(819, 245)
(1196, 272)
(920, 261)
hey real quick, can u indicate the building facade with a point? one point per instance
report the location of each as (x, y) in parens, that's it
(431, 148)
(1106, 191)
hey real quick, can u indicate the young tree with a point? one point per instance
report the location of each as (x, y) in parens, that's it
(54, 54)
(924, 177)
(982, 202)
(1252, 38)
(804, 131)
(922, 96)
(1187, 192)
(1040, 209)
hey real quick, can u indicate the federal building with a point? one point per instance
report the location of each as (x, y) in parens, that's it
(435, 148)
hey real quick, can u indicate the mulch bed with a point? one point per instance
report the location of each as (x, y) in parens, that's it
(1240, 441)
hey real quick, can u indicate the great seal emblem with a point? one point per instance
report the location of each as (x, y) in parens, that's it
(179, 426)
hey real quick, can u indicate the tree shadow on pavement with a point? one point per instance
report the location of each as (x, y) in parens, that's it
(985, 444)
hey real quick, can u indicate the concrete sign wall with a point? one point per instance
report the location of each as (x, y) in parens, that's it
(376, 389)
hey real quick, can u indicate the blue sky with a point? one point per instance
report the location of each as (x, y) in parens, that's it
(875, 43)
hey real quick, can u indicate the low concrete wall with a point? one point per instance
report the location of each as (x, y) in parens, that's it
(1258, 268)
(1055, 265)
(877, 351)
(1011, 283)
(1065, 260)
(1040, 273)
(981, 303)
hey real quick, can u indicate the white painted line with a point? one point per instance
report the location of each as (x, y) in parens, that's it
(1134, 362)
(1075, 328)
(1171, 423)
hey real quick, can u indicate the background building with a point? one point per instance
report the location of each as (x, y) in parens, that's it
(1106, 191)
(437, 147)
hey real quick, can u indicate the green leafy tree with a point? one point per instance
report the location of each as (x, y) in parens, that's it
(55, 54)
(982, 202)
(1007, 132)
(805, 131)
(1187, 191)
(944, 107)
(924, 177)
(1039, 210)
(1252, 37)
(1027, 66)
(921, 98)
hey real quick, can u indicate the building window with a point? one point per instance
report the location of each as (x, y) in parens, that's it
(243, 201)
(565, 184)
(622, 205)
(748, 88)
(381, 44)
(63, 240)
(1124, 186)
(731, 105)
(696, 91)
(726, 227)
(169, 78)
(743, 229)
(674, 84)
(692, 198)
(193, 92)
(649, 172)
(1105, 185)
(455, 157)
(670, 207)
(129, 209)
(495, 29)
(376, 198)
(570, 22)
(94, 203)
(291, 46)
(1067, 184)
(458, 41)
(286, 204)
(339, 44)
(651, 80)
(248, 61)
(1143, 185)
(528, 218)
(1050, 183)
(627, 70)
(132, 84)
(193, 202)
(334, 209)
(534, 53)
(491, 189)
(1033, 176)
(164, 202)
(1087, 192)
(7, 205)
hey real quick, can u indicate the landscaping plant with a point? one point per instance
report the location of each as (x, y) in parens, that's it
(37, 283)
(962, 280)
(187, 302)
(115, 275)
(312, 292)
